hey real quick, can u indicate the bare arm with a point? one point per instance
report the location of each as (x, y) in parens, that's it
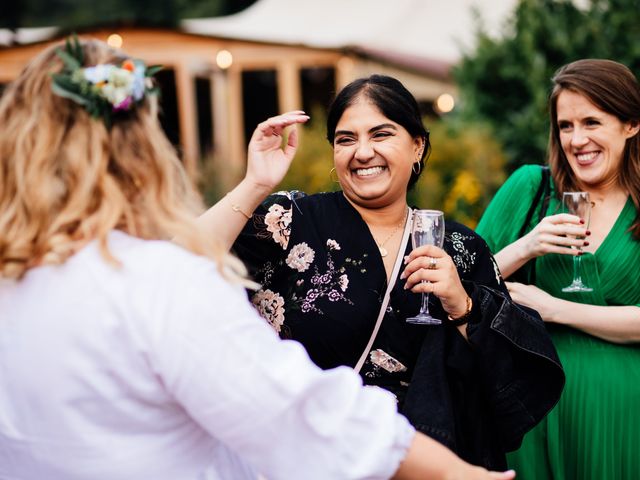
(426, 458)
(267, 163)
(617, 324)
(554, 234)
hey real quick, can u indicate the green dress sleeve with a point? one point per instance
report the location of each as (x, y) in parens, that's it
(503, 218)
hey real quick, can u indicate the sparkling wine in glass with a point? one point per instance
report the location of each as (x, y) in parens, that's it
(427, 229)
(579, 204)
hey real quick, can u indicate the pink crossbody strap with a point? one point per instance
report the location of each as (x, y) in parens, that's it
(387, 294)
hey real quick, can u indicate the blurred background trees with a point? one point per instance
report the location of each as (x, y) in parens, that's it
(499, 123)
(505, 81)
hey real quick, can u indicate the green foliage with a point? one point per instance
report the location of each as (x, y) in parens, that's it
(506, 80)
(464, 170)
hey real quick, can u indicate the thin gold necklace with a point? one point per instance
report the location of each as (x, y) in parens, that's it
(383, 251)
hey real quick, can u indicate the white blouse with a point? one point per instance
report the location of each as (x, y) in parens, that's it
(161, 370)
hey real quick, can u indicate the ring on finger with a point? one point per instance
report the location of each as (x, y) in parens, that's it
(433, 263)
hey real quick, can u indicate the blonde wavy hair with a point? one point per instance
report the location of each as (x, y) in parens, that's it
(65, 179)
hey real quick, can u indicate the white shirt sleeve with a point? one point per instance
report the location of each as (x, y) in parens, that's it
(261, 396)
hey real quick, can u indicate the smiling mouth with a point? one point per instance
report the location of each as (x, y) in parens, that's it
(586, 157)
(369, 172)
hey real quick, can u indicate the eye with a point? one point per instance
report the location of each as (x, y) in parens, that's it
(344, 141)
(382, 134)
(564, 126)
(591, 122)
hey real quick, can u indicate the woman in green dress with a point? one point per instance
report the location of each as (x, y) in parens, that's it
(594, 146)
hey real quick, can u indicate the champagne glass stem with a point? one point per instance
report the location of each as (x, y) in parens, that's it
(424, 306)
(577, 271)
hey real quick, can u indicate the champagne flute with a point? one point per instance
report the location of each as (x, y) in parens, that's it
(427, 229)
(577, 203)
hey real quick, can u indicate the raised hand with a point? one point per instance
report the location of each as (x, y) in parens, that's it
(268, 159)
(430, 269)
(555, 234)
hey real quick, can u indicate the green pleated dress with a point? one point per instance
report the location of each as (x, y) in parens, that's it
(594, 431)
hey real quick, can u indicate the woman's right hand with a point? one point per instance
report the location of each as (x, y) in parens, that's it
(268, 159)
(555, 234)
(427, 458)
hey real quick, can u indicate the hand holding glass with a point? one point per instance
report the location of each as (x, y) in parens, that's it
(579, 204)
(427, 229)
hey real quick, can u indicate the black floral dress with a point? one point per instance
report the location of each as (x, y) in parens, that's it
(323, 281)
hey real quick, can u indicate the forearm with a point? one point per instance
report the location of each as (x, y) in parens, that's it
(614, 324)
(511, 257)
(426, 458)
(225, 219)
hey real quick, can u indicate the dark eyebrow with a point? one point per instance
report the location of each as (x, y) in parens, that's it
(382, 127)
(371, 130)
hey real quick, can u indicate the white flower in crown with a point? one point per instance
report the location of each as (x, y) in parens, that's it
(119, 86)
(97, 74)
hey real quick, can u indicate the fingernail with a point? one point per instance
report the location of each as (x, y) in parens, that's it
(588, 232)
(402, 276)
(581, 220)
(406, 259)
(586, 243)
(580, 252)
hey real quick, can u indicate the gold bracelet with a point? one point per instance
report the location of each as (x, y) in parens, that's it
(236, 208)
(464, 318)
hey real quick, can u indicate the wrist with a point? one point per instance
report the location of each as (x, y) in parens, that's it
(462, 316)
(256, 187)
(525, 250)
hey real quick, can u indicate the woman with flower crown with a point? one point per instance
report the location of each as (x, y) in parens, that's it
(328, 268)
(124, 355)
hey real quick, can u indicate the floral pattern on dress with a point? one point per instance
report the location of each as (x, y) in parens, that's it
(332, 244)
(278, 223)
(385, 361)
(271, 306)
(462, 258)
(330, 284)
(300, 257)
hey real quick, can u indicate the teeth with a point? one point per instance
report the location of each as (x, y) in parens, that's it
(364, 172)
(585, 157)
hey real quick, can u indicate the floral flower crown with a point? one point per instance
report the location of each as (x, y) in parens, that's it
(105, 89)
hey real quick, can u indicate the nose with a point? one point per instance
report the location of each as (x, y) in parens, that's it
(365, 151)
(579, 138)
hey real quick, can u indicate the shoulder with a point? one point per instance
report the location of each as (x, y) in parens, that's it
(525, 176)
(149, 264)
(318, 203)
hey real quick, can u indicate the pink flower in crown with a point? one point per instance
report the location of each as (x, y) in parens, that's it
(123, 105)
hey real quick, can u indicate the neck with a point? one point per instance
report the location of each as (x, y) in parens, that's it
(608, 192)
(383, 217)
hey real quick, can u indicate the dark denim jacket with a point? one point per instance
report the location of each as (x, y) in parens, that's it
(479, 397)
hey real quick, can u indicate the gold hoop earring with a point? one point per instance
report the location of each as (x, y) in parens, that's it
(413, 167)
(331, 173)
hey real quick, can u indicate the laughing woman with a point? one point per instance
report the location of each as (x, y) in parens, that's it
(332, 276)
(594, 146)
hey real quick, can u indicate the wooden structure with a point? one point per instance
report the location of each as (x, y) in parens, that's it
(192, 57)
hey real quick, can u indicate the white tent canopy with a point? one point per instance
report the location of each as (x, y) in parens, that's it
(431, 29)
